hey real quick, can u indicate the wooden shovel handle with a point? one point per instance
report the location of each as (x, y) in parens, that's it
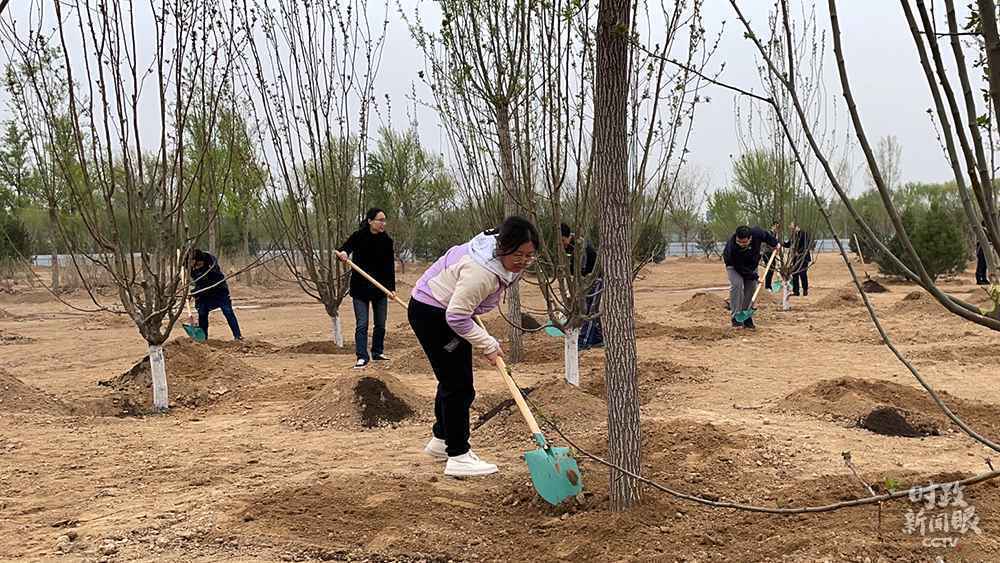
(761, 283)
(514, 391)
(375, 283)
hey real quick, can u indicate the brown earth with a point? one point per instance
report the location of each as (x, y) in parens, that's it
(735, 415)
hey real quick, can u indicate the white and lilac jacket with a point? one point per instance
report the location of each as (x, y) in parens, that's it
(466, 281)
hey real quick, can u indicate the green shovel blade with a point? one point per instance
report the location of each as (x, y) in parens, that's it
(743, 315)
(554, 474)
(195, 332)
(553, 330)
(776, 286)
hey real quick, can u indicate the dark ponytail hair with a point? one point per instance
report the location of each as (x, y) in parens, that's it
(369, 216)
(512, 233)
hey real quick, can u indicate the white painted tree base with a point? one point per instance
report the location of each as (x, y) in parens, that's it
(785, 302)
(571, 354)
(158, 370)
(338, 332)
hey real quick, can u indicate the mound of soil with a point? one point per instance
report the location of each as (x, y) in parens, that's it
(320, 347)
(917, 302)
(873, 286)
(18, 397)
(372, 400)
(248, 346)
(703, 303)
(851, 400)
(657, 379)
(845, 297)
(890, 421)
(197, 375)
(11, 338)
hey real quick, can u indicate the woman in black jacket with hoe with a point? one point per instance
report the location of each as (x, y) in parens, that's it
(371, 250)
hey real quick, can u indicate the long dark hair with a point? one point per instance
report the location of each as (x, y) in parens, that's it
(512, 233)
(370, 216)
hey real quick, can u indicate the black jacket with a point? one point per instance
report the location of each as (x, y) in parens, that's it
(801, 244)
(745, 261)
(209, 281)
(589, 257)
(375, 255)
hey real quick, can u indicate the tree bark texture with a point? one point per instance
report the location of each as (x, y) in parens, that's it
(610, 165)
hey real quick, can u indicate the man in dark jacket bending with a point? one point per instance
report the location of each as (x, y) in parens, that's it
(741, 256)
(211, 291)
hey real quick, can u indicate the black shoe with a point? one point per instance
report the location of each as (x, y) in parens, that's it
(795, 295)
(982, 282)
(380, 357)
(361, 363)
(737, 324)
(748, 324)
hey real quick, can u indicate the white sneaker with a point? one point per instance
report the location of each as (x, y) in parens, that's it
(437, 449)
(361, 363)
(468, 465)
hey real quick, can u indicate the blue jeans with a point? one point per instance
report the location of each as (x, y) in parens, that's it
(379, 308)
(204, 306)
(591, 333)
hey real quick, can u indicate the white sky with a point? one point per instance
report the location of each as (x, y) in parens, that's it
(886, 77)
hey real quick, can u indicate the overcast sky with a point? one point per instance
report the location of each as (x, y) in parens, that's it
(888, 83)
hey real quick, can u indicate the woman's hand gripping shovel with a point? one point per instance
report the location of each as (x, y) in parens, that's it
(194, 331)
(554, 473)
(745, 314)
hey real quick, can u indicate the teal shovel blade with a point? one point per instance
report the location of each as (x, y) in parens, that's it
(195, 332)
(555, 475)
(553, 330)
(742, 316)
(776, 286)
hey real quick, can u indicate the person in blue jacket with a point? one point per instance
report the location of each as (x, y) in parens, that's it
(742, 257)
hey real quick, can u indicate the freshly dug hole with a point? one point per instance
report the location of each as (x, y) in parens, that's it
(890, 421)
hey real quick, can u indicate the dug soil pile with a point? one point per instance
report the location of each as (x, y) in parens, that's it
(658, 379)
(843, 298)
(355, 402)
(197, 376)
(320, 347)
(918, 302)
(855, 401)
(872, 286)
(18, 397)
(703, 303)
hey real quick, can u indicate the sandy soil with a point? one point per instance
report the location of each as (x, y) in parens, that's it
(276, 450)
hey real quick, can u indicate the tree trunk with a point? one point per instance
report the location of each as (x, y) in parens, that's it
(988, 21)
(610, 165)
(53, 237)
(212, 247)
(338, 332)
(510, 208)
(246, 236)
(785, 304)
(158, 373)
(571, 354)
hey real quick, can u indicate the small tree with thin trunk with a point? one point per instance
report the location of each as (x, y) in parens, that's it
(126, 181)
(309, 76)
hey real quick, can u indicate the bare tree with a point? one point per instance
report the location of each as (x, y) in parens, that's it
(686, 204)
(310, 77)
(889, 156)
(132, 179)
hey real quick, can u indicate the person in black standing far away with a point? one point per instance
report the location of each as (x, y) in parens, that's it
(371, 249)
(742, 256)
(211, 291)
(591, 335)
(801, 245)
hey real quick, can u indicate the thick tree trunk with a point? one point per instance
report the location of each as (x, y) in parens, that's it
(610, 154)
(53, 237)
(510, 208)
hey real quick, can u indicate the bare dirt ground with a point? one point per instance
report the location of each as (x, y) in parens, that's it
(276, 450)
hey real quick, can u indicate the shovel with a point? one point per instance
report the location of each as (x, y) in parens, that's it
(384, 290)
(745, 314)
(195, 332)
(554, 473)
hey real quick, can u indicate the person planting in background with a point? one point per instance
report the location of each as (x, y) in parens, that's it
(742, 256)
(211, 291)
(371, 249)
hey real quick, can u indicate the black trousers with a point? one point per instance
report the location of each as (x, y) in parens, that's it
(451, 359)
(800, 280)
(981, 276)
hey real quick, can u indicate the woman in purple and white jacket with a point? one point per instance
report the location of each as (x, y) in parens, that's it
(468, 280)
